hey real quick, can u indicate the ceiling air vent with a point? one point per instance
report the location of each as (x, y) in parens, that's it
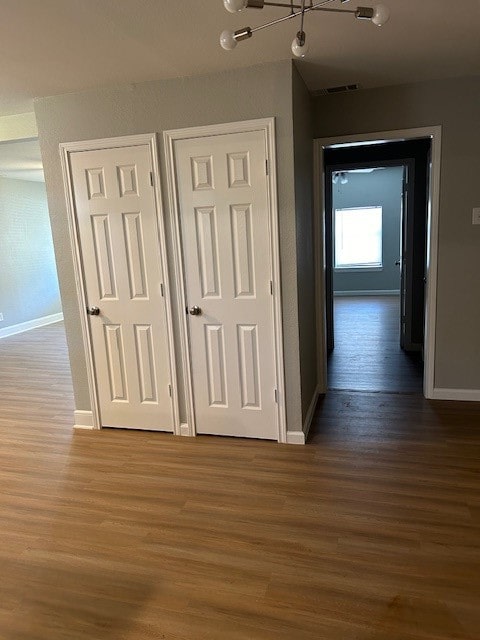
(342, 89)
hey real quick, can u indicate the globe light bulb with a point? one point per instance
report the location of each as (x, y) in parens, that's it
(234, 5)
(227, 41)
(299, 46)
(381, 14)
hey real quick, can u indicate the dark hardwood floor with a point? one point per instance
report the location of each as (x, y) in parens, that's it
(369, 532)
(367, 354)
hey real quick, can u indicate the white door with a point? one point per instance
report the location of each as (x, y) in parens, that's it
(223, 203)
(122, 268)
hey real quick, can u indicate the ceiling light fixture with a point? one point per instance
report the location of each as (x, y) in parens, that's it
(229, 39)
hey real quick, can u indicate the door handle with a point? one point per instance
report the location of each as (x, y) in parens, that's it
(195, 311)
(397, 263)
(93, 311)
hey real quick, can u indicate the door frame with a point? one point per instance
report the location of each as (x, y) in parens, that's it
(319, 144)
(66, 148)
(267, 126)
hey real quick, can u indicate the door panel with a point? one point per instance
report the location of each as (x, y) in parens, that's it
(224, 216)
(122, 268)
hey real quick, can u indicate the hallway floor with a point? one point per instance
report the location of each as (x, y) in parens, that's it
(367, 354)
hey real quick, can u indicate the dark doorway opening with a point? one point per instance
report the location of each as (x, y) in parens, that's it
(374, 337)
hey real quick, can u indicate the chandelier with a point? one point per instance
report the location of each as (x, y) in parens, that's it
(229, 39)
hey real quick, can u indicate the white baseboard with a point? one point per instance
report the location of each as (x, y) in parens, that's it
(367, 292)
(468, 395)
(83, 419)
(300, 437)
(295, 437)
(31, 324)
(185, 429)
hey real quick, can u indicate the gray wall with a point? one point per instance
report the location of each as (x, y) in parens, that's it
(380, 188)
(454, 104)
(28, 278)
(303, 161)
(242, 94)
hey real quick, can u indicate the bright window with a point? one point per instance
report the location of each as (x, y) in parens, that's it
(358, 238)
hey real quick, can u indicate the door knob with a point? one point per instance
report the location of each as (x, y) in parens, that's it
(93, 311)
(397, 263)
(195, 311)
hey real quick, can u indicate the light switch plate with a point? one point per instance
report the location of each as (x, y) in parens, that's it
(476, 216)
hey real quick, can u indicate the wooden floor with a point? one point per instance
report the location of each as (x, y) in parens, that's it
(367, 354)
(369, 532)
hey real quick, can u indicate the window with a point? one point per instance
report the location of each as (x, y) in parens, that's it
(358, 238)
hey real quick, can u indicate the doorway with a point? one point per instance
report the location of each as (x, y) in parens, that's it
(376, 236)
(415, 154)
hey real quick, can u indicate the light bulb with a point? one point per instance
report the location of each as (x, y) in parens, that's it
(234, 5)
(299, 50)
(381, 14)
(227, 41)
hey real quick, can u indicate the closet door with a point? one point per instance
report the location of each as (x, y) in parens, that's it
(224, 215)
(120, 250)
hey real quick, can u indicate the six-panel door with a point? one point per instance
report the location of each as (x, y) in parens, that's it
(223, 200)
(121, 260)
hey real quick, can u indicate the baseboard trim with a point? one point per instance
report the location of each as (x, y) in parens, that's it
(367, 292)
(83, 419)
(464, 395)
(30, 324)
(300, 437)
(185, 429)
(295, 437)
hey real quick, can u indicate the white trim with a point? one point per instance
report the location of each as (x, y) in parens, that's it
(432, 264)
(267, 126)
(184, 429)
(83, 419)
(469, 395)
(79, 285)
(30, 324)
(435, 133)
(295, 437)
(367, 292)
(188, 428)
(167, 293)
(66, 149)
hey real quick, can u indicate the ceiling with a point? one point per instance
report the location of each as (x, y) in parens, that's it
(59, 46)
(21, 161)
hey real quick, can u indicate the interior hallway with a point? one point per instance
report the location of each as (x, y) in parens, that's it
(367, 354)
(369, 532)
